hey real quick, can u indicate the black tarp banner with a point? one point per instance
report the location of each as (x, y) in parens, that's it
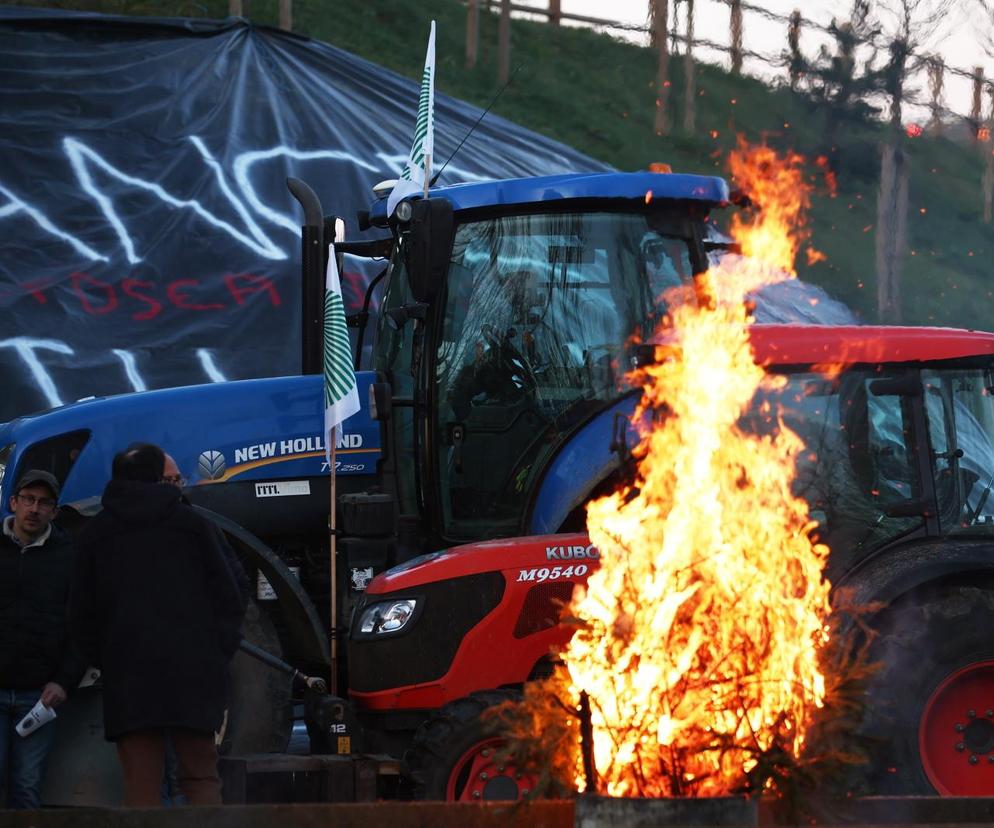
(148, 236)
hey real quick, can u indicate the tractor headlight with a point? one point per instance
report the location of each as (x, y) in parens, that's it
(387, 617)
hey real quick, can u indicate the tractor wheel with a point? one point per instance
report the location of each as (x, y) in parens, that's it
(930, 710)
(453, 754)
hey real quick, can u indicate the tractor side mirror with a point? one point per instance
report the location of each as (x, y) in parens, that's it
(428, 246)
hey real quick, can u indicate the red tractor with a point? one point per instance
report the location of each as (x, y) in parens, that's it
(898, 475)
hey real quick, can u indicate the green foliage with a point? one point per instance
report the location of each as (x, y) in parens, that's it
(597, 94)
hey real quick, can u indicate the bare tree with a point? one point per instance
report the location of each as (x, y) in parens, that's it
(841, 78)
(911, 25)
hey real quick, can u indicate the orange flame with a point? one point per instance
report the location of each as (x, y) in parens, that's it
(699, 637)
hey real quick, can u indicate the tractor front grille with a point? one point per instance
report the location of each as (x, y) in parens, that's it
(424, 653)
(543, 607)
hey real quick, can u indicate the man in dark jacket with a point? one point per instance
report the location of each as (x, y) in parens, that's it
(36, 660)
(156, 607)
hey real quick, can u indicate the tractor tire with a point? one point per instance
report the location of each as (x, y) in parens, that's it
(930, 710)
(452, 755)
(260, 714)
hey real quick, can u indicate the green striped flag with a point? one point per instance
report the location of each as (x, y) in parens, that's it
(417, 171)
(341, 398)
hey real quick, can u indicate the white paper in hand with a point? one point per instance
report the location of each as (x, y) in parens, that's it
(38, 715)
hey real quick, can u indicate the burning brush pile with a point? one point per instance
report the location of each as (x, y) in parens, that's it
(699, 658)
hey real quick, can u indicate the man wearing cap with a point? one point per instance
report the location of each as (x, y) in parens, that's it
(36, 659)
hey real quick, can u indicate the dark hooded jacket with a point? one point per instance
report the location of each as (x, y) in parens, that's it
(156, 607)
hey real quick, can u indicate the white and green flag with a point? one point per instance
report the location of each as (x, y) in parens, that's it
(417, 171)
(341, 398)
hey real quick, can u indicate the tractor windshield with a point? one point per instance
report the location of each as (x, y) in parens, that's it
(538, 310)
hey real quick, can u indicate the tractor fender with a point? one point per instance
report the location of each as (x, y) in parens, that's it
(898, 570)
(306, 630)
(579, 467)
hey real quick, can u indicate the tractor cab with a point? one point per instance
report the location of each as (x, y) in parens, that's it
(506, 325)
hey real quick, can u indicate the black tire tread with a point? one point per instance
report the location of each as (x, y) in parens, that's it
(444, 737)
(920, 642)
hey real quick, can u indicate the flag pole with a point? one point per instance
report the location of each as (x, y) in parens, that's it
(341, 402)
(427, 172)
(333, 541)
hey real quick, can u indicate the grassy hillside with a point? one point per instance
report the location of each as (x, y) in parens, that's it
(597, 94)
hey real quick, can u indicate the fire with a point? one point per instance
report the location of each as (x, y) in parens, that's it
(698, 639)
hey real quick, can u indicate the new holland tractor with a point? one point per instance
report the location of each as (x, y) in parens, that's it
(494, 409)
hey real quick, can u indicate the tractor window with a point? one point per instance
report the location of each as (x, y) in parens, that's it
(394, 353)
(55, 455)
(856, 459)
(960, 408)
(538, 312)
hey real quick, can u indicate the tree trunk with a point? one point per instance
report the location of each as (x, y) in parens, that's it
(978, 87)
(936, 72)
(794, 41)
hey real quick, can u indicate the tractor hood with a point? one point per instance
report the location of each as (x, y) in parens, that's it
(248, 430)
(533, 558)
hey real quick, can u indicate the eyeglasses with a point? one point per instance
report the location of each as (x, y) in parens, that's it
(174, 479)
(42, 502)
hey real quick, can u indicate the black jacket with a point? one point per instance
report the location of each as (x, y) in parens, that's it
(34, 598)
(156, 607)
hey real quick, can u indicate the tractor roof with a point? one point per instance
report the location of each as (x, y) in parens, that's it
(848, 345)
(709, 190)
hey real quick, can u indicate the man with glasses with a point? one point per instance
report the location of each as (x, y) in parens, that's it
(36, 660)
(171, 473)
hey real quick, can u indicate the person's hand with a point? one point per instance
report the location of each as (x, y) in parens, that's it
(53, 695)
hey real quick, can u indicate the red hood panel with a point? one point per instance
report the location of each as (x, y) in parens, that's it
(487, 556)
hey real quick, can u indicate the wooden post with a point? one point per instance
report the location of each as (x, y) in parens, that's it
(235, 8)
(286, 15)
(794, 41)
(985, 148)
(555, 12)
(504, 43)
(891, 237)
(936, 71)
(978, 85)
(690, 81)
(661, 10)
(472, 33)
(736, 28)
